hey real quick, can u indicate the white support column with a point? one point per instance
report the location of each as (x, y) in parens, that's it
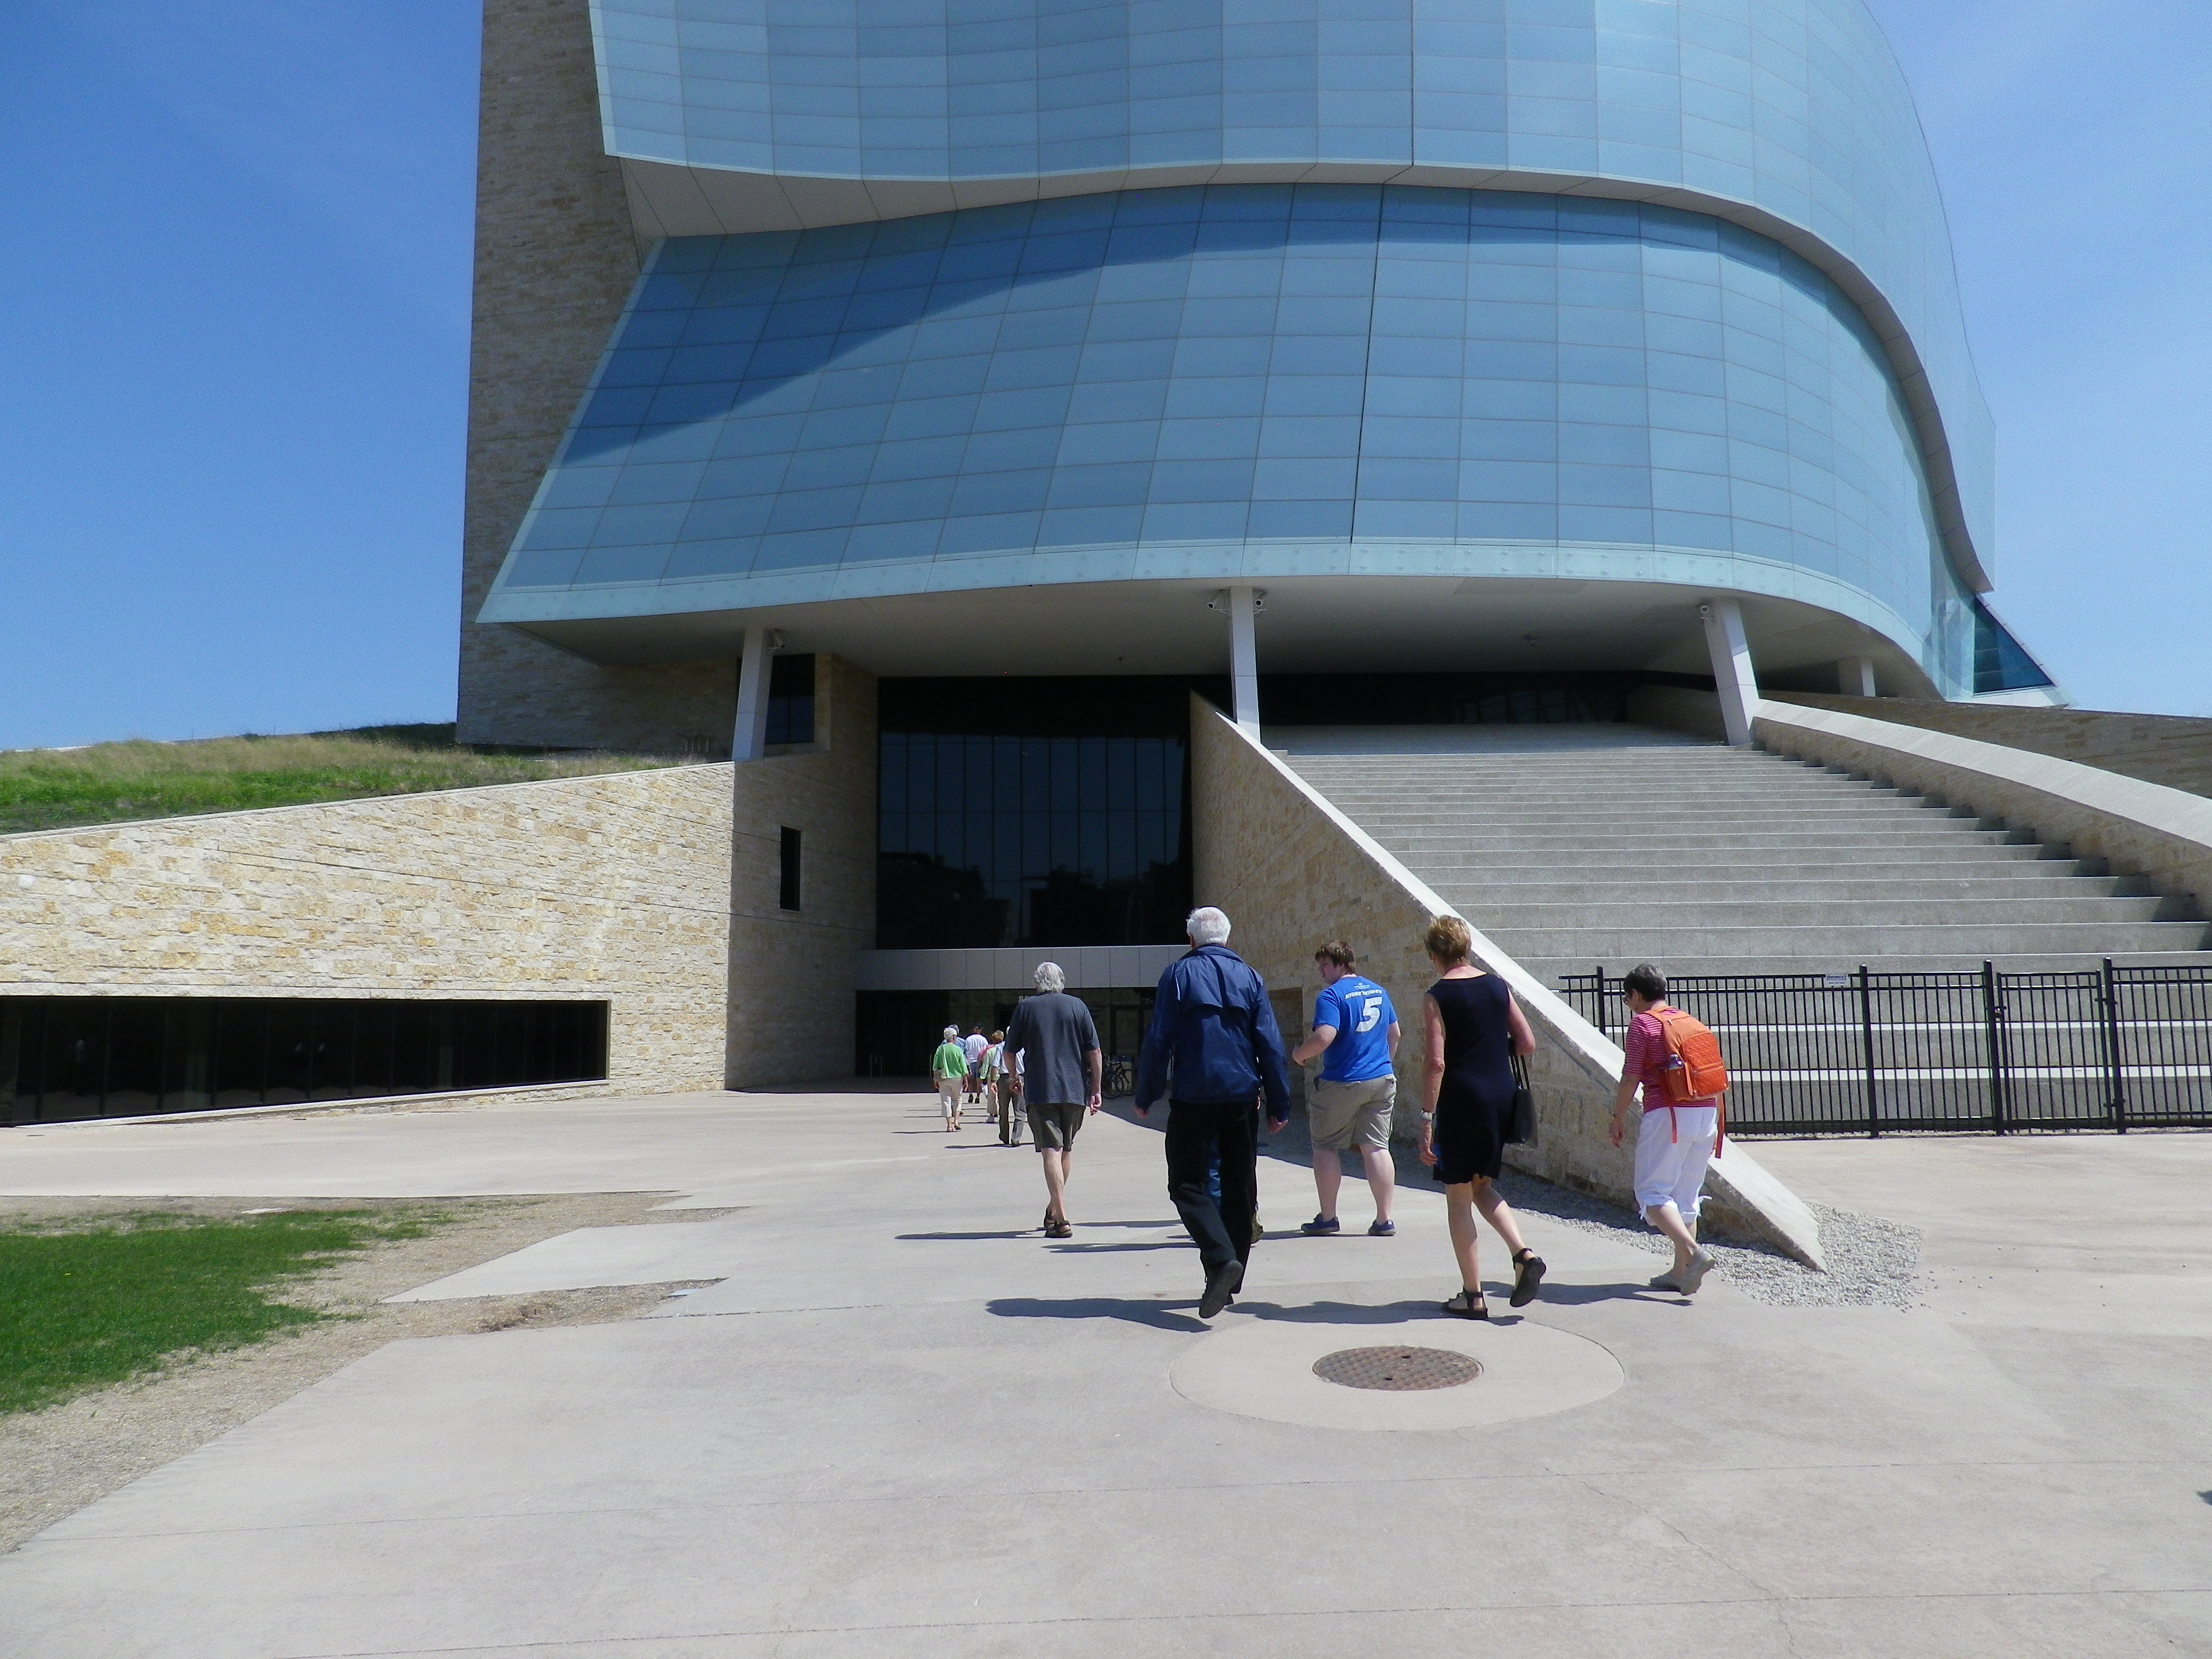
(1855, 676)
(1732, 674)
(1245, 659)
(750, 741)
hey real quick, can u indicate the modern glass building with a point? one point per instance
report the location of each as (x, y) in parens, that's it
(1379, 306)
(1497, 338)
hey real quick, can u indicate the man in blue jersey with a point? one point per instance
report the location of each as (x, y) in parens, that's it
(1357, 1027)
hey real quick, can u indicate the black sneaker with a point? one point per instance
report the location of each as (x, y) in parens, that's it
(1220, 1286)
(1320, 1226)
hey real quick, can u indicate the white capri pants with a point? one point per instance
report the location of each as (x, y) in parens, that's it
(1671, 1158)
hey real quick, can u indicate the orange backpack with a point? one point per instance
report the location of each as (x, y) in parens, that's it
(1694, 1070)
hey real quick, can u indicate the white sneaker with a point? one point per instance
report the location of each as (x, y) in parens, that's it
(1694, 1275)
(1666, 1282)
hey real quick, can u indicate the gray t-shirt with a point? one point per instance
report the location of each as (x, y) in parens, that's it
(1052, 1032)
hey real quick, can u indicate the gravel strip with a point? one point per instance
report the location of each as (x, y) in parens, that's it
(1872, 1263)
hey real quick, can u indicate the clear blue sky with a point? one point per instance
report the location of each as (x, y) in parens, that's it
(234, 322)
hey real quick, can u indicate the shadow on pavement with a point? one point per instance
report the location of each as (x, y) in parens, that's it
(1095, 1307)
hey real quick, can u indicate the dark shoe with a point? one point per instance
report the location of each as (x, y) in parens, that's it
(1381, 1229)
(1220, 1286)
(1468, 1304)
(1320, 1226)
(1527, 1276)
(1058, 1229)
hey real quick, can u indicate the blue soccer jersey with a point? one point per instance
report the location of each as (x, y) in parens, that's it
(1360, 1011)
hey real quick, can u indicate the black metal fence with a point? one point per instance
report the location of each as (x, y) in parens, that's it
(1867, 1053)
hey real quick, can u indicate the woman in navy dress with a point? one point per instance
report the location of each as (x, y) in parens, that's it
(1474, 1027)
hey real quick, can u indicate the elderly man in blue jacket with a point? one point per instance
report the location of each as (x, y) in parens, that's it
(1212, 1022)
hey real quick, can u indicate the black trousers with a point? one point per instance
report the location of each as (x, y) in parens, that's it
(1228, 1129)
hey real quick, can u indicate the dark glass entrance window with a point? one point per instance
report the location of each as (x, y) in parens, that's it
(125, 1056)
(1033, 811)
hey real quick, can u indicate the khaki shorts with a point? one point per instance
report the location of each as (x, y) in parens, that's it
(1351, 1114)
(1053, 1125)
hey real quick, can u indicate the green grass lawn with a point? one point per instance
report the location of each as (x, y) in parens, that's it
(85, 1304)
(116, 782)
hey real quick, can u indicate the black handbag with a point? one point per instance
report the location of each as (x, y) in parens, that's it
(1521, 1122)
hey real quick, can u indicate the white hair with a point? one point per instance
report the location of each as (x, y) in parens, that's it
(1049, 977)
(952, 1034)
(1206, 926)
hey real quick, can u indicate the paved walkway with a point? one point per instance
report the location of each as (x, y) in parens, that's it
(905, 1423)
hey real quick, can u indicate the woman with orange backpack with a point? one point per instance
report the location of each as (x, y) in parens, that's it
(1677, 1062)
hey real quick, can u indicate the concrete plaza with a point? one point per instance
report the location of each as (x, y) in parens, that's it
(903, 1423)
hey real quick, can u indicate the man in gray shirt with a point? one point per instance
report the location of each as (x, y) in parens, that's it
(1059, 1077)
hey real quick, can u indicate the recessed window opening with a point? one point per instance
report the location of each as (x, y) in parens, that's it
(791, 702)
(125, 1056)
(788, 872)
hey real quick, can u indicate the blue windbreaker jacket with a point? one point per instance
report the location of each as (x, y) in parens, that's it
(1212, 1019)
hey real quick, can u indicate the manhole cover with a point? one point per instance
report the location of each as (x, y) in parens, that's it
(1396, 1369)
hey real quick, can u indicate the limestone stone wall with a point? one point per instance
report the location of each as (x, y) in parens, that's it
(1293, 872)
(2173, 750)
(554, 260)
(656, 891)
(792, 974)
(612, 887)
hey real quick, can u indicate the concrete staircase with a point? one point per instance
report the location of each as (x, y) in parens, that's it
(1573, 846)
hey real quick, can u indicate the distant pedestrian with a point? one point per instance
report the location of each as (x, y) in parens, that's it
(973, 1047)
(1675, 1140)
(1473, 1027)
(1057, 1070)
(1212, 1025)
(949, 1065)
(999, 1090)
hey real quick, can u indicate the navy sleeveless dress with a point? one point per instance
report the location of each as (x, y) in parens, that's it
(1474, 1107)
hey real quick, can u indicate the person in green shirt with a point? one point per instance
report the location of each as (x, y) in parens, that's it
(949, 1065)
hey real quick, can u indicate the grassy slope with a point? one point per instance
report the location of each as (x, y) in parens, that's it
(116, 782)
(82, 1307)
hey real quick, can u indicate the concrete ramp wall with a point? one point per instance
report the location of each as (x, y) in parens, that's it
(1293, 872)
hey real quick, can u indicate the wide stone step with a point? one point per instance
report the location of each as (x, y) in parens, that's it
(1473, 889)
(1966, 863)
(1630, 939)
(1656, 841)
(1783, 909)
(1552, 970)
(1477, 815)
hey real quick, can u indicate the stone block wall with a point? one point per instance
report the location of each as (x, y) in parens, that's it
(1293, 872)
(657, 891)
(791, 973)
(612, 887)
(556, 256)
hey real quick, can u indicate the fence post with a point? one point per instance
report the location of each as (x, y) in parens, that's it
(1993, 1028)
(1866, 1028)
(2115, 1079)
(1604, 1027)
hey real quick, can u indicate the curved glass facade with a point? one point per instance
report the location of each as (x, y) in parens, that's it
(1240, 381)
(1794, 108)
